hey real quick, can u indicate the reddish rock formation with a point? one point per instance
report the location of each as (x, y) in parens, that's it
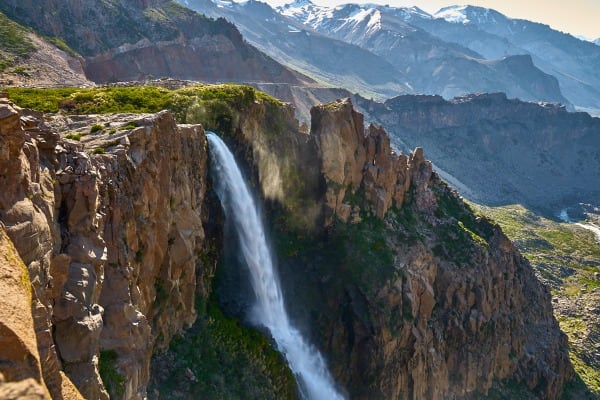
(134, 40)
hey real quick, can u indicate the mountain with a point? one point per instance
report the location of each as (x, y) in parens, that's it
(133, 279)
(597, 41)
(136, 39)
(575, 63)
(329, 61)
(430, 63)
(499, 150)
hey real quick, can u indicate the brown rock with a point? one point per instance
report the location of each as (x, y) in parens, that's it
(350, 160)
(20, 365)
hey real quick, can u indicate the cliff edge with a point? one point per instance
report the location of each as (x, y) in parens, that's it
(405, 290)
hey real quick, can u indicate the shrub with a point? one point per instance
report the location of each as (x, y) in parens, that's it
(96, 128)
(113, 380)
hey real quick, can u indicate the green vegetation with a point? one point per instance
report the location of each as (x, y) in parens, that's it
(565, 256)
(129, 126)
(75, 136)
(113, 380)
(61, 44)
(217, 107)
(577, 329)
(461, 230)
(221, 359)
(589, 375)
(367, 257)
(14, 42)
(20, 71)
(96, 128)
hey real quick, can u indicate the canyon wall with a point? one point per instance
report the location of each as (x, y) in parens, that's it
(112, 240)
(406, 291)
(499, 150)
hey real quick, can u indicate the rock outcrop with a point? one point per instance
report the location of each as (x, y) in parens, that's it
(21, 367)
(111, 240)
(430, 302)
(351, 161)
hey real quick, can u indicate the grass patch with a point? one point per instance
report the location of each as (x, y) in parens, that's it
(113, 380)
(587, 373)
(573, 327)
(142, 99)
(96, 128)
(565, 256)
(62, 45)
(221, 359)
(75, 136)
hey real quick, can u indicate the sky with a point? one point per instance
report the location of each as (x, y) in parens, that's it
(577, 17)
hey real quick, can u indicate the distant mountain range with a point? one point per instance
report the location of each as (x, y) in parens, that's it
(382, 51)
(378, 52)
(466, 49)
(328, 60)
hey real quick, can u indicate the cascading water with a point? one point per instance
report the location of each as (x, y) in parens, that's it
(314, 380)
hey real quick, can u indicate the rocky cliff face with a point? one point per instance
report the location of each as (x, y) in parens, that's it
(133, 40)
(498, 150)
(111, 241)
(407, 292)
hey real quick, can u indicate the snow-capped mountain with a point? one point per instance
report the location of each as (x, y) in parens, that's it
(430, 63)
(330, 61)
(380, 51)
(575, 63)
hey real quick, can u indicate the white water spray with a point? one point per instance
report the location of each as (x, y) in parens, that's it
(314, 380)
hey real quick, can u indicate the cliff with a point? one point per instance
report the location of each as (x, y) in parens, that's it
(406, 291)
(498, 150)
(111, 241)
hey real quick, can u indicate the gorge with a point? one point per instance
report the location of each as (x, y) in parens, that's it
(315, 383)
(404, 290)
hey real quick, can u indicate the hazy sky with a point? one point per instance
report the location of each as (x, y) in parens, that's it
(577, 17)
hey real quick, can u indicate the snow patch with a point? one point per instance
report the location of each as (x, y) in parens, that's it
(454, 14)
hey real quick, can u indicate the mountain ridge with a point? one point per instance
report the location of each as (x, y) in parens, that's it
(432, 64)
(135, 40)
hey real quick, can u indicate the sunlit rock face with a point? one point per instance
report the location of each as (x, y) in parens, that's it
(404, 290)
(111, 240)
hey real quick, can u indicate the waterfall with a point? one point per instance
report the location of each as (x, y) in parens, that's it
(314, 380)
